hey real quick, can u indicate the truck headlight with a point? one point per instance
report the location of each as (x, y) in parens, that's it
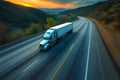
(46, 46)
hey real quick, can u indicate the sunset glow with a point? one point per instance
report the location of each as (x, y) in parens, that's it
(41, 3)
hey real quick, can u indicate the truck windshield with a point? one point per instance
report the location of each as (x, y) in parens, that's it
(46, 38)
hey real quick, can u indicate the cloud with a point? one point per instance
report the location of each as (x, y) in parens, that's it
(41, 3)
(54, 3)
(72, 1)
(78, 3)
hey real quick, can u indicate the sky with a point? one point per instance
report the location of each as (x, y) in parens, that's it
(54, 3)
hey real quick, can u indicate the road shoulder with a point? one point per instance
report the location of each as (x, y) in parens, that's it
(110, 44)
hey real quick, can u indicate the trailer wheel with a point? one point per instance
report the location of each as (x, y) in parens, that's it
(48, 47)
(70, 31)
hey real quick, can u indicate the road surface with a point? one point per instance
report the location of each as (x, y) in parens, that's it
(81, 55)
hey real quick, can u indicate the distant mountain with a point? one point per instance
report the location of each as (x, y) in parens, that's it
(83, 11)
(107, 12)
(20, 16)
(53, 11)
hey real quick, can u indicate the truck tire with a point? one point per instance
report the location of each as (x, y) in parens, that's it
(70, 31)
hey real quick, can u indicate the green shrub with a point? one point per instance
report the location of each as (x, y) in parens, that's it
(34, 28)
(50, 22)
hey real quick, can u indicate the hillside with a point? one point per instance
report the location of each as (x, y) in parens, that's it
(104, 11)
(17, 22)
(83, 11)
(19, 16)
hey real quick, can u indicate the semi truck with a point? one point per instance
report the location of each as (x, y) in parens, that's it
(53, 34)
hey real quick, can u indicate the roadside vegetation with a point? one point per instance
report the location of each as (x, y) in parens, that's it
(19, 33)
(109, 14)
(14, 33)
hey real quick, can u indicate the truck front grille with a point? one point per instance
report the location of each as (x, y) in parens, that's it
(41, 45)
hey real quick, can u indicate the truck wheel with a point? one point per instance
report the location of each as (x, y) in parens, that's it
(48, 48)
(70, 31)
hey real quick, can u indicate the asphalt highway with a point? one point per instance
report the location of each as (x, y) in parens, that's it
(80, 55)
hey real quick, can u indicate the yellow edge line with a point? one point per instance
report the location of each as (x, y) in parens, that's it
(52, 77)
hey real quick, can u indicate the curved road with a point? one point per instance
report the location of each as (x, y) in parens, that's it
(81, 55)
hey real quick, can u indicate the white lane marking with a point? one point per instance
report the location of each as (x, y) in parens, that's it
(29, 66)
(76, 25)
(86, 71)
(17, 45)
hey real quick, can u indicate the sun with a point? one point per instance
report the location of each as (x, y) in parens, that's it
(24, 4)
(21, 3)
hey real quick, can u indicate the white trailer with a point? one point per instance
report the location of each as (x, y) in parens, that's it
(63, 28)
(53, 34)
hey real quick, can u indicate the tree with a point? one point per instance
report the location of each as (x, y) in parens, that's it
(42, 24)
(34, 28)
(64, 18)
(50, 22)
